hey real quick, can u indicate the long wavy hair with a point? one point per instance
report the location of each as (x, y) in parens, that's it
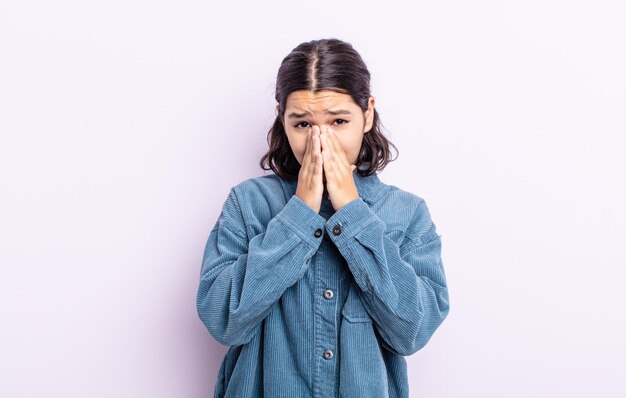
(326, 64)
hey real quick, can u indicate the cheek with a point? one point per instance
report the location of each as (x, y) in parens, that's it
(351, 146)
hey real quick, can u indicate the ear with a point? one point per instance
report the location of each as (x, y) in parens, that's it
(369, 115)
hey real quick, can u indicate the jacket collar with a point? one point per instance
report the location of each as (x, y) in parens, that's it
(369, 187)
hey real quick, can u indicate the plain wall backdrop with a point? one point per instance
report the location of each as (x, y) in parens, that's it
(125, 123)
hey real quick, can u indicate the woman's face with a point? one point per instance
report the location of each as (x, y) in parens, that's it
(305, 109)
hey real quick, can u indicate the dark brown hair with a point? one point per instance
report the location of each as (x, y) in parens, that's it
(327, 64)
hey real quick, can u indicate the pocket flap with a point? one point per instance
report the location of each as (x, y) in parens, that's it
(353, 309)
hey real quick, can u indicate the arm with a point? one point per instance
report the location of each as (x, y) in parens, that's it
(240, 280)
(403, 286)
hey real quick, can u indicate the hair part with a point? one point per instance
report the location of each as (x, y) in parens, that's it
(326, 64)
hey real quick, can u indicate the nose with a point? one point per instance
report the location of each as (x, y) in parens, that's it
(320, 127)
(323, 127)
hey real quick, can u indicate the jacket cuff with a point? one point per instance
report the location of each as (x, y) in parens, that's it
(303, 221)
(349, 220)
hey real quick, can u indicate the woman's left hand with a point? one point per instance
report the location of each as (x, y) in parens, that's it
(338, 170)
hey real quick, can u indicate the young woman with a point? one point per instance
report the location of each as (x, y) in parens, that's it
(319, 276)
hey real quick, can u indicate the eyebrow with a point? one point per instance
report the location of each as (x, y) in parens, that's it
(329, 112)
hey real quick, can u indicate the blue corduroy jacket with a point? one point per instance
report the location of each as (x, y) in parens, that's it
(320, 304)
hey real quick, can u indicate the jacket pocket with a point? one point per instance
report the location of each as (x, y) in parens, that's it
(363, 369)
(353, 310)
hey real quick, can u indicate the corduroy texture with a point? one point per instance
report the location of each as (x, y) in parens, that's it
(265, 271)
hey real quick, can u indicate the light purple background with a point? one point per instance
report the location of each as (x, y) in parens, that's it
(124, 124)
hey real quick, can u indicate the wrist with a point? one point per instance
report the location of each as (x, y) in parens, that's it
(314, 205)
(345, 201)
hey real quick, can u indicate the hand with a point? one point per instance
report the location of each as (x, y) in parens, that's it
(310, 186)
(337, 170)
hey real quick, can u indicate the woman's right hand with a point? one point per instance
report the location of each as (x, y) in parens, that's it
(310, 185)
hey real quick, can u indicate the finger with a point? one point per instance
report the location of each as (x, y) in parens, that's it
(305, 166)
(332, 145)
(315, 130)
(309, 143)
(329, 164)
(307, 149)
(311, 149)
(316, 147)
(327, 151)
(340, 153)
(317, 157)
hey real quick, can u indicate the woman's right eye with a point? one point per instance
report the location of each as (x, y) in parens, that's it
(301, 125)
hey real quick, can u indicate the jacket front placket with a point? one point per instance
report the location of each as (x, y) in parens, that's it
(327, 292)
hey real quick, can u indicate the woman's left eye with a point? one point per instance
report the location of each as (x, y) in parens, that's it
(341, 121)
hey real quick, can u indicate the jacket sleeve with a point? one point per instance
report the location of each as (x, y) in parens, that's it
(402, 286)
(241, 279)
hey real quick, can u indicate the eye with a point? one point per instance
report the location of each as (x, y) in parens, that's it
(302, 125)
(340, 121)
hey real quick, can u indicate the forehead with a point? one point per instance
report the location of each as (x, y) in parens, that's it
(319, 101)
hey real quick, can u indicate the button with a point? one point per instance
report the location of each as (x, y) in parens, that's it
(337, 229)
(328, 354)
(318, 232)
(328, 294)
